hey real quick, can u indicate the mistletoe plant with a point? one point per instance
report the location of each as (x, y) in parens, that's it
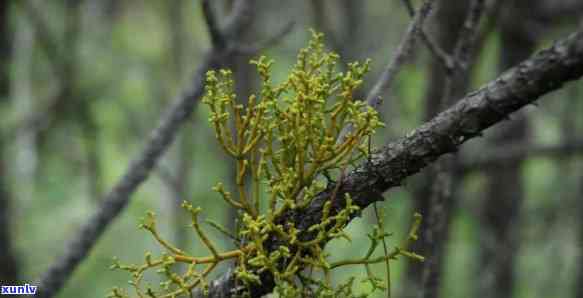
(287, 142)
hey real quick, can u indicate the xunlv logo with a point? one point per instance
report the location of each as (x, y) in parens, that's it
(18, 290)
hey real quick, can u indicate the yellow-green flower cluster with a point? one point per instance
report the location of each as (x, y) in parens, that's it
(284, 140)
(290, 133)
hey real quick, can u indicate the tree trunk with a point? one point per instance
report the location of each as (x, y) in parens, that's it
(504, 189)
(449, 18)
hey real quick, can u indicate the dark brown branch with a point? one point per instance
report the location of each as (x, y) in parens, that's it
(438, 53)
(442, 198)
(139, 170)
(468, 34)
(545, 72)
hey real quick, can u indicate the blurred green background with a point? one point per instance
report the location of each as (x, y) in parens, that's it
(88, 81)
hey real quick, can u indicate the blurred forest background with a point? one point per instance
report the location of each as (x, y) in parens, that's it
(83, 83)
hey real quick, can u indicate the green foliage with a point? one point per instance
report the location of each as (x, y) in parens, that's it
(285, 140)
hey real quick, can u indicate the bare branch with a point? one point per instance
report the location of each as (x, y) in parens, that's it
(463, 49)
(403, 51)
(438, 53)
(468, 34)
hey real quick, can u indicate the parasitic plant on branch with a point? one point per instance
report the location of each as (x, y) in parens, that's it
(289, 143)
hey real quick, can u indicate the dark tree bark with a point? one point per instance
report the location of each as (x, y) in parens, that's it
(9, 273)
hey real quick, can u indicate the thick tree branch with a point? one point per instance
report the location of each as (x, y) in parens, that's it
(138, 171)
(522, 85)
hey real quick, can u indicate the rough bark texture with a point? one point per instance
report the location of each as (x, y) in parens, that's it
(504, 190)
(391, 165)
(8, 263)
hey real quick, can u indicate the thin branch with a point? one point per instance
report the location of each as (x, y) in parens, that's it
(438, 53)
(400, 56)
(462, 50)
(468, 34)
(545, 72)
(114, 202)
(442, 198)
(403, 51)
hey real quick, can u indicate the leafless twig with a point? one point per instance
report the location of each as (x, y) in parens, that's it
(404, 50)
(438, 53)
